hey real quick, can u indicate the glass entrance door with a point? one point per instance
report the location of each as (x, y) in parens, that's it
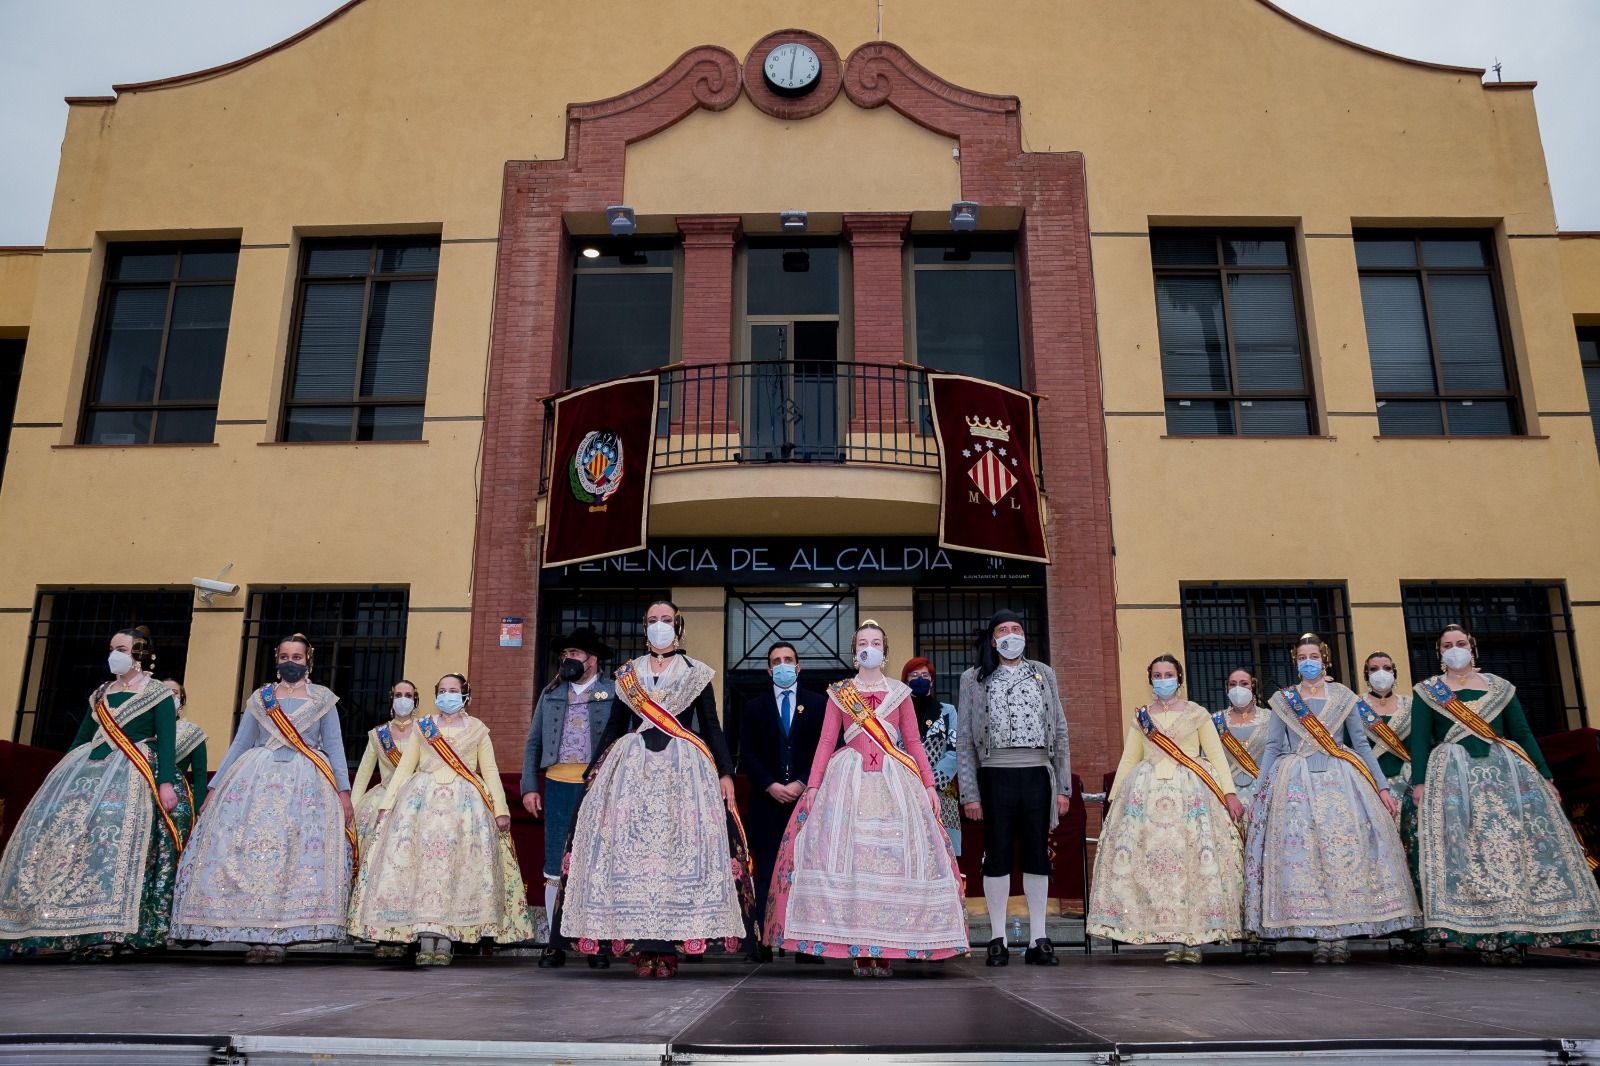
(818, 621)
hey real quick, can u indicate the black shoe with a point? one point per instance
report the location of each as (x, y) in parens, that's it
(761, 954)
(1041, 953)
(600, 961)
(552, 959)
(807, 960)
(999, 955)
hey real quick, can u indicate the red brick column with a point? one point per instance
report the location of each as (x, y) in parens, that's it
(701, 403)
(877, 245)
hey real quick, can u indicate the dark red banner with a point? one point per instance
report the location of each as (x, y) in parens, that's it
(600, 459)
(989, 467)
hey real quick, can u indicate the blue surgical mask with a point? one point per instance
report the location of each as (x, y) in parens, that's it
(920, 686)
(783, 674)
(1164, 687)
(449, 702)
(1310, 669)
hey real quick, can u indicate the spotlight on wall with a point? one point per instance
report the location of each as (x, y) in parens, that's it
(620, 219)
(792, 221)
(964, 216)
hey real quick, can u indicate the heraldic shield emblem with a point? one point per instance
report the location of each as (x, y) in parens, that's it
(596, 470)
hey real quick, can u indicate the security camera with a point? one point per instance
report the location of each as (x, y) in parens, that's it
(205, 584)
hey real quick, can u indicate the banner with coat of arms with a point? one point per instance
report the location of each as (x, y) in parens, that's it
(600, 460)
(989, 468)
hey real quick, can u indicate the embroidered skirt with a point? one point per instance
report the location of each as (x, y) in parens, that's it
(1500, 864)
(1323, 859)
(367, 815)
(1170, 865)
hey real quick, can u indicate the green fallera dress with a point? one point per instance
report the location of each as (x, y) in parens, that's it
(92, 861)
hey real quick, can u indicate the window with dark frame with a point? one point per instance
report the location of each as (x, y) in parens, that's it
(1232, 333)
(358, 364)
(1589, 359)
(358, 636)
(1228, 627)
(11, 352)
(617, 615)
(68, 640)
(623, 306)
(1524, 634)
(795, 334)
(1436, 334)
(163, 328)
(949, 620)
(964, 306)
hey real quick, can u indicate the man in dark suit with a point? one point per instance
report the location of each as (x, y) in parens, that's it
(778, 735)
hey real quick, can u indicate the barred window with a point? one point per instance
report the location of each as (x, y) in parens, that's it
(1232, 333)
(358, 637)
(358, 367)
(950, 620)
(617, 615)
(157, 365)
(67, 645)
(1226, 627)
(1436, 334)
(1524, 634)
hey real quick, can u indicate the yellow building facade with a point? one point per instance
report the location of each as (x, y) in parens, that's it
(419, 140)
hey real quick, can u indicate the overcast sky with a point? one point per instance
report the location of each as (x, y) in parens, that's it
(55, 48)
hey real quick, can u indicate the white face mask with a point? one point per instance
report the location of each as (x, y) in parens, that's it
(869, 658)
(1381, 680)
(1457, 658)
(660, 634)
(1240, 696)
(449, 702)
(1010, 646)
(402, 706)
(177, 704)
(119, 662)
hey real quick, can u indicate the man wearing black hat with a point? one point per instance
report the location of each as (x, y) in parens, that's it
(568, 719)
(1015, 775)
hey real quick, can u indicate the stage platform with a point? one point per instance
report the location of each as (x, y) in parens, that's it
(334, 1008)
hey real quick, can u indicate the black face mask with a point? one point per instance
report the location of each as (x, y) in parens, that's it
(570, 669)
(292, 672)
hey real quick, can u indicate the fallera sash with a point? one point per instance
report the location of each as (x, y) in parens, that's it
(269, 701)
(1319, 733)
(630, 686)
(847, 696)
(1154, 735)
(1382, 730)
(441, 746)
(391, 750)
(119, 739)
(1239, 753)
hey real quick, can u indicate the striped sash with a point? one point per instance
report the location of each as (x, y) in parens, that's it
(1154, 735)
(269, 701)
(441, 746)
(1236, 749)
(1319, 733)
(391, 750)
(1382, 730)
(846, 695)
(119, 739)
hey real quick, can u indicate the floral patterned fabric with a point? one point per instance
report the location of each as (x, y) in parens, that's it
(367, 801)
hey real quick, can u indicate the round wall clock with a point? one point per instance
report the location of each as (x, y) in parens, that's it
(791, 69)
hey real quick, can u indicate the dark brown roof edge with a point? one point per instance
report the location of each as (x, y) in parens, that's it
(211, 72)
(89, 101)
(1579, 234)
(1380, 53)
(22, 248)
(1510, 85)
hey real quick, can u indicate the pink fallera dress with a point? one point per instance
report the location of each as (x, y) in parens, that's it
(865, 869)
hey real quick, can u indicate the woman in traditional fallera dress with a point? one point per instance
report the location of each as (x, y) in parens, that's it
(1501, 867)
(865, 870)
(270, 862)
(1323, 860)
(1169, 868)
(386, 745)
(1390, 722)
(658, 862)
(936, 724)
(1245, 720)
(440, 867)
(90, 866)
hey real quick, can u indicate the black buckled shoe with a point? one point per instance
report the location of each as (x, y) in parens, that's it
(1041, 953)
(999, 954)
(552, 959)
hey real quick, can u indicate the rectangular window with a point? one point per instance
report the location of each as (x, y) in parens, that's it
(358, 636)
(1232, 333)
(622, 308)
(358, 364)
(949, 620)
(157, 365)
(964, 296)
(618, 616)
(1436, 334)
(10, 381)
(1226, 627)
(1524, 634)
(1589, 357)
(68, 641)
(791, 405)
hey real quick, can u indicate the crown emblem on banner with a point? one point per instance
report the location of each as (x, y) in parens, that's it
(982, 427)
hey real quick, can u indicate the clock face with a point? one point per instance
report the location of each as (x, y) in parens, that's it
(791, 69)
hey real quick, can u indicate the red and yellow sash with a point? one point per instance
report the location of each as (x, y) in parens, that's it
(1382, 730)
(114, 733)
(845, 694)
(269, 700)
(1319, 733)
(1235, 746)
(1154, 734)
(441, 746)
(630, 686)
(391, 750)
